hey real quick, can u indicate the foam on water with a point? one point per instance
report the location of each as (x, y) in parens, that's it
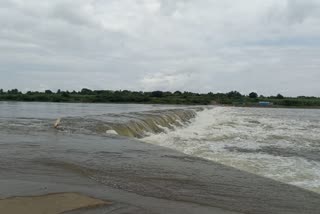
(282, 144)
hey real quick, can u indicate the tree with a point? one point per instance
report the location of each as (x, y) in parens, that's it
(279, 96)
(48, 92)
(14, 91)
(177, 93)
(234, 94)
(1, 91)
(253, 95)
(156, 94)
(65, 94)
(86, 91)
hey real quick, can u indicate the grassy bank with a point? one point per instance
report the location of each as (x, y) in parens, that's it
(233, 98)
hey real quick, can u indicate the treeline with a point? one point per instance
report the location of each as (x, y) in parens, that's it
(156, 97)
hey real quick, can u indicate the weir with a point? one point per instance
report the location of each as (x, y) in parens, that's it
(135, 124)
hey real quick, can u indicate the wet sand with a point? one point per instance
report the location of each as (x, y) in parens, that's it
(138, 177)
(49, 204)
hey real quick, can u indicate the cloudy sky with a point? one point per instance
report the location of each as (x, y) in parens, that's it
(268, 46)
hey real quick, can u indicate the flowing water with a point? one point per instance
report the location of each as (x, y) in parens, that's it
(103, 142)
(282, 144)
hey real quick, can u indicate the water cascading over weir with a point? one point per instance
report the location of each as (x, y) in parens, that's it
(135, 124)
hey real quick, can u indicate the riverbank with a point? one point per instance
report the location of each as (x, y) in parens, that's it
(158, 97)
(55, 203)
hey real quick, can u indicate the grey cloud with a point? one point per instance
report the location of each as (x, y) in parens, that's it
(299, 11)
(210, 45)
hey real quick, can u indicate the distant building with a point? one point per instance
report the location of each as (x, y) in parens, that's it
(265, 103)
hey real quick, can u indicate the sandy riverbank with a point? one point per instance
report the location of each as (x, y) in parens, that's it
(49, 204)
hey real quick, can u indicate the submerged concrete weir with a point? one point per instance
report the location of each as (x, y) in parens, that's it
(137, 124)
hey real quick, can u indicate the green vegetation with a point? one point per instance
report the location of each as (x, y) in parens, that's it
(157, 97)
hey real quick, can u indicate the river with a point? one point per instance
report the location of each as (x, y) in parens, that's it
(164, 159)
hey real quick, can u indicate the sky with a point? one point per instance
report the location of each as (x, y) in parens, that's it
(266, 46)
